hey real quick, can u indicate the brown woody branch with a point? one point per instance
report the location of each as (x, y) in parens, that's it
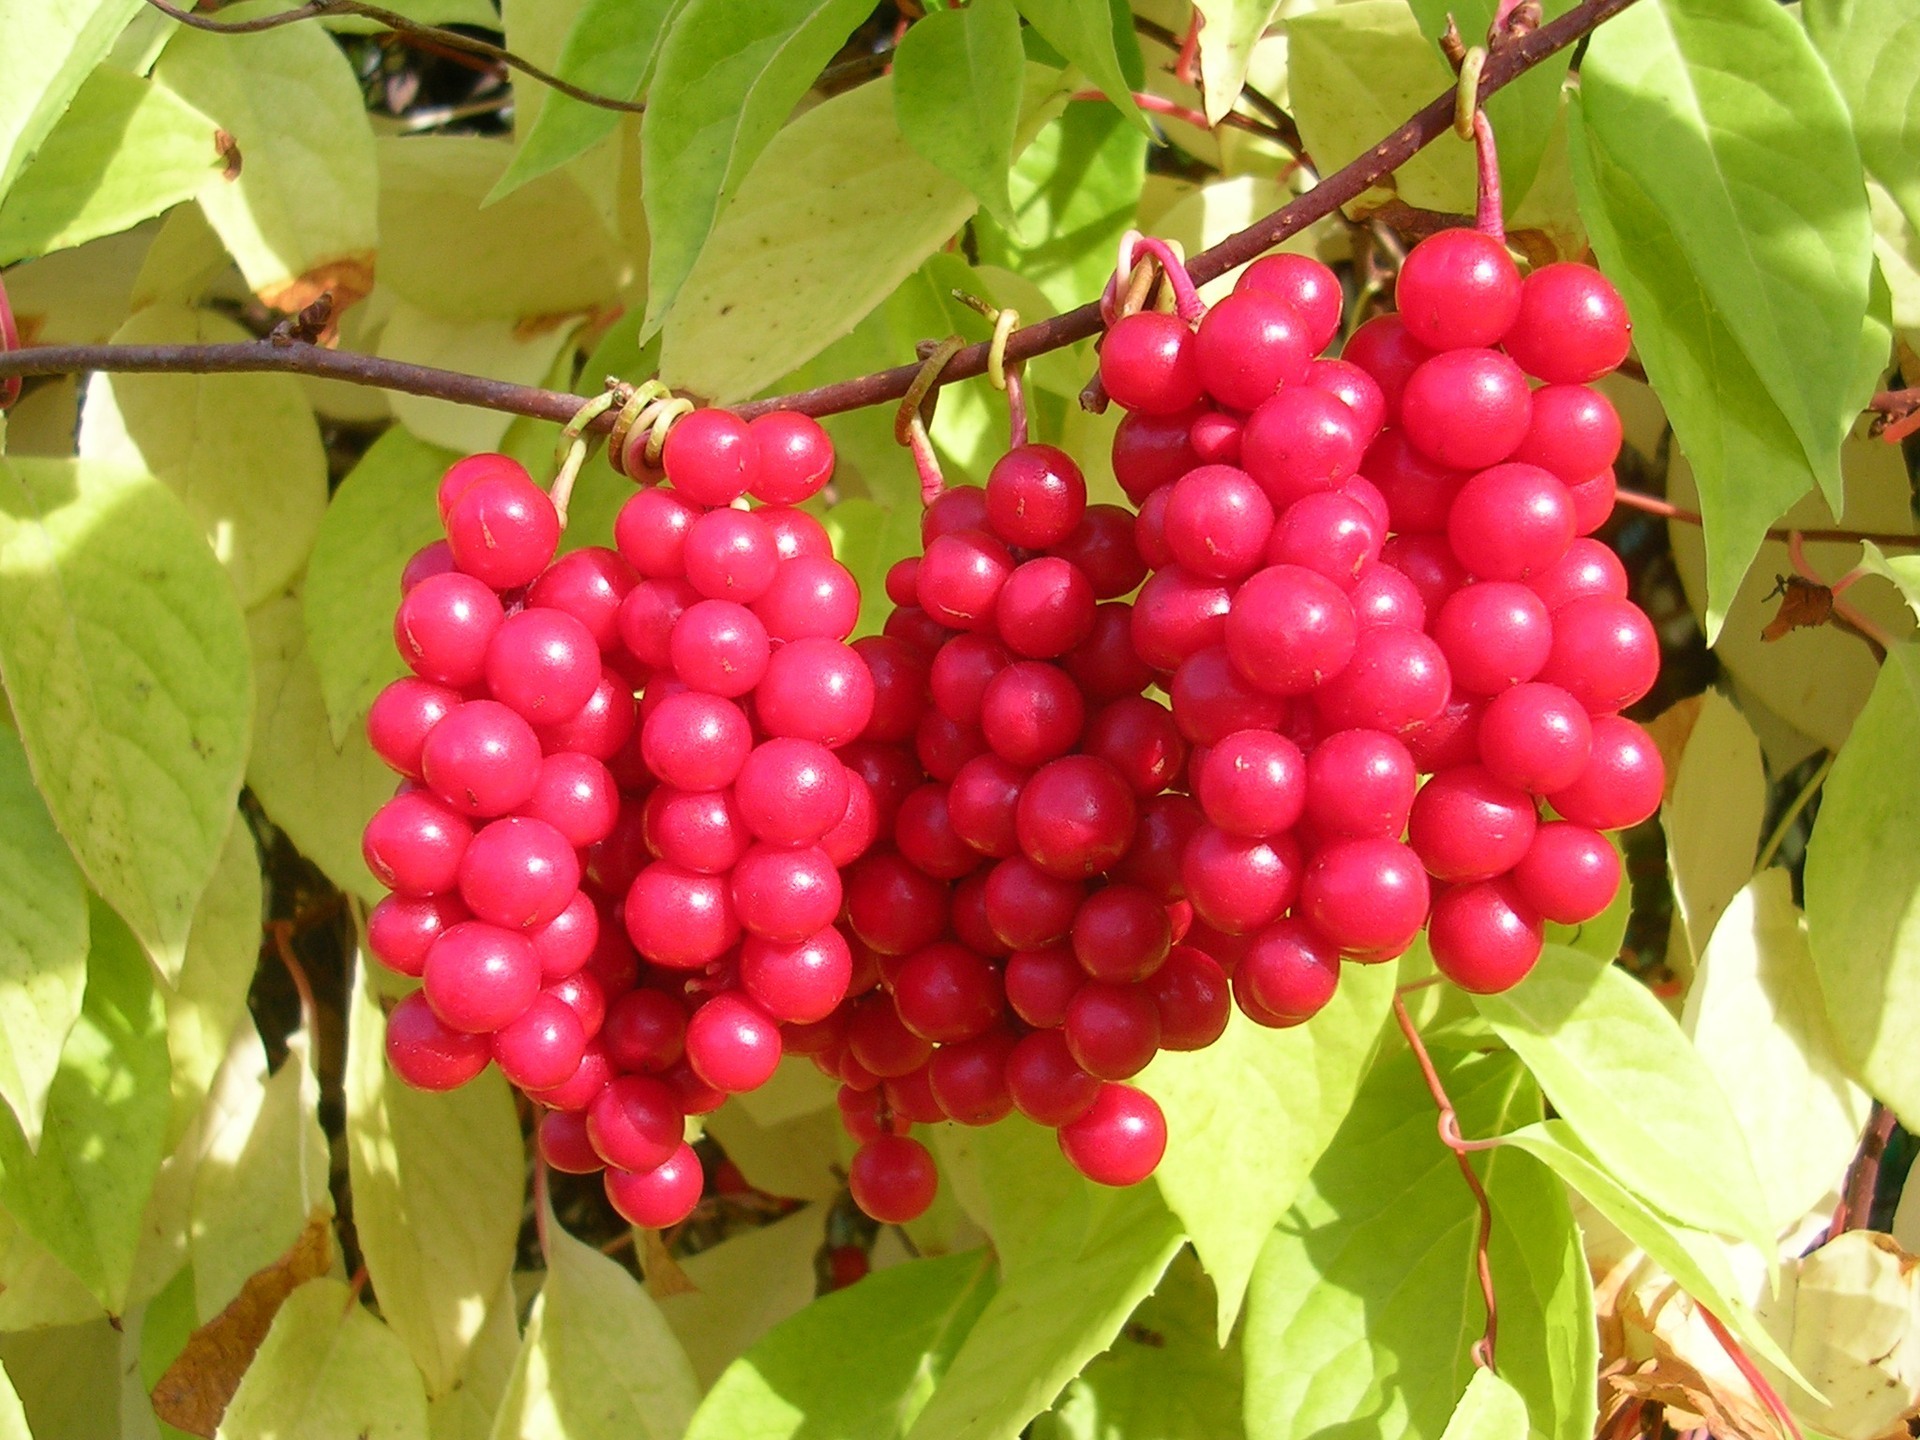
(1335, 190)
(438, 35)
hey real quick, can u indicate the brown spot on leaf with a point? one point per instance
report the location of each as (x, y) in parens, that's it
(228, 149)
(1670, 730)
(347, 280)
(195, 1390)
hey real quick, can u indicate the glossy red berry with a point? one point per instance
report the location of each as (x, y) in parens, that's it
(892, 1179)
(1572, 326)
(1119, 1140)
(1458, 289)
(1150, 362)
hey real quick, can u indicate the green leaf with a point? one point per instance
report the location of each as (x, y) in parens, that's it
(262, 1172)
(51, 48)
(542, 251)
(1548, 1346)
(1085, 32)
(795, 1159)
(43, 941)
(1074, 191)
(209, 996)
(243, 451)
(1697, 1261)
(1617, 1067)
(382, 513)
(318, 794)
(13, 1416)
(956, 94)
(1012, 1180)
(1166, 1376)
(1723, 120)
(598, 1361)
(1104, 1252)
(124, 657)
(609, 50)
(437, 1182)
(1357, 71)
(69, 1379)
(82, 1194)
(1232, 28)
(1491, 1409)
(466, 1412)
(744, 1286)
(1712, 819)
(1863, 885)
(299, 218)
(40, 1291)
(1523, 113)
(857, 1364)
(125, 150)
(837, 214)
(1248, 1117)
(1365, 1300)
(1755, 1013)
(1902, 570)
(327, 1368)
(1873, 49)
(496, 348)
(728, 77)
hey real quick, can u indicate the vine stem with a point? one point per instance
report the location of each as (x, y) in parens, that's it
(1449, 1127)
(1855, 1211)
(1744, 1364)
(1800, 803)
(452, 39)
(1335, 190)
(1667, 510)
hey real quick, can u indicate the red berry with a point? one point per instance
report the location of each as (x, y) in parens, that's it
(797, 981)
(892, 1179)
(426, 1053)
(1361, 784)
(444, 626)
(1572, 326)
(1622, 782)
(1574, 432)
(1251, 345)
(1304, 283)
(1150, 362)
(663, 1196)
(1466, 825)
(1466, 408)
(969, 1078)
(786, 894)
(414, 844)
(1484, 937)
(793, 457)
(1536, 737)
(1121, 934)
(1511, 522)
(1150, 451)
(1238, 884)
(732, 1045)
(402, 928)
(1191, 994)
(1386, 351)
(1369, 897)
(503, 531)
(403, 715)
(1288, 974)
(730, 555)
(1569, 874)
(679, 919)
(1495, 636)
(482, 759)
(1253, 783)
(480, 978)
(542, 1047)
(710, 457)
(815, 689)
(1035, 496)
(1112, 1031)
(1458, 289)
(1604, 653)
(651, 533)
(1289, 630)
(1119, 1140)
(1076, 817)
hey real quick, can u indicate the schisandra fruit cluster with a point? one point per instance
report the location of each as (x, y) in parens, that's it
(661, 823)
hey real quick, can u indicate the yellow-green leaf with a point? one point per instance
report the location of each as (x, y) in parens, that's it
(328, 1369)
(496, 348)
(243, 451)
(126, 149)
(1755, 1013)
(598, 1361)
(43, 941)
(436, 1195)
(209, 995)
(744, 1287)
(82, 1194)
(299, 216)
(838, 211)
(51, 46)
(124, 656)
(1713, 819)
(319, 794)
(1248, 1116)
(1490, 1410)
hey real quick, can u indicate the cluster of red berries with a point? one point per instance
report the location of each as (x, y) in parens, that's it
(662, 823)
(1380, 567)
(617, 850)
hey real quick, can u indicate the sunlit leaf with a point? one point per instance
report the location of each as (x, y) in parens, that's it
(436, 1195)
(496, 348)
(382, 513)
(50, 49)
(243, 451)
(1104, 1252)
(727, 78)
(43, 941)
(1491, 1409)
(81, 1195)
(1616, 1066)
(746, 1285)
(123, 652)
(1755, 1012)
(1862, 884)
(839, 211)
(544, 250)
(1088, 33)
(126, 149)
(610, 49)
(328, 1369)
(209, 996)
(598, 1361)
(858, 1364)
(1249, 1116)
(299, 216)
(956, 95)
(1713, 819)
(1873, 49)
(1232, 29)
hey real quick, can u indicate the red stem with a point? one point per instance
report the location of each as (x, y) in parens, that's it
(1449, 1126)
(1761, 1386)
(1667, 510)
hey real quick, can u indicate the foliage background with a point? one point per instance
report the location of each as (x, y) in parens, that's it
(210, 1188)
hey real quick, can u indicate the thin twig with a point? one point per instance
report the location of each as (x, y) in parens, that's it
(1744, 1364)
(1800, 803)
(1335, 190)
(315, 9)
(1863, 1175)
(1287, 132)
(1450, 1136)
(1174, 110)
(1667, 510)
